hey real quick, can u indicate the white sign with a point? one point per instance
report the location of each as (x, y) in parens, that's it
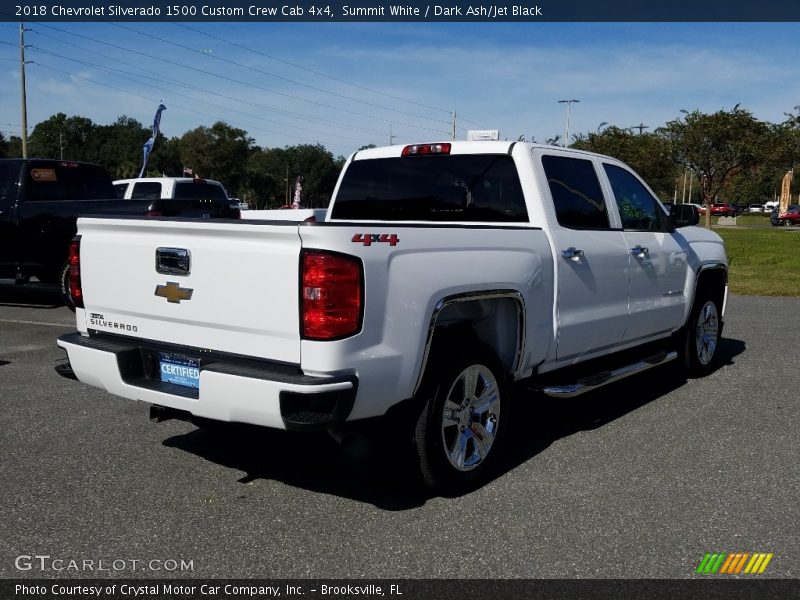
(483, 135)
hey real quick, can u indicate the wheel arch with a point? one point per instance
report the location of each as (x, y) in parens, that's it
(492, 317)
(713, 276)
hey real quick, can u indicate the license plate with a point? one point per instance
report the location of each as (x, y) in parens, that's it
(179, 370)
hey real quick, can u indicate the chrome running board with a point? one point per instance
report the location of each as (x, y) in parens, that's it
(598, 380)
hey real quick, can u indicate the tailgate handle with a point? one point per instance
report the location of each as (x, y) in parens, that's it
(173, 261)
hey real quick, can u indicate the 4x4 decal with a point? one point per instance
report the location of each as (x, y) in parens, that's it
(376, 238)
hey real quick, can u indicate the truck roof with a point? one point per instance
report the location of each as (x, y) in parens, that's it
(168, 180)
(466, 147)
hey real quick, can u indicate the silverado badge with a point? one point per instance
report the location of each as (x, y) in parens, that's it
(173, 292)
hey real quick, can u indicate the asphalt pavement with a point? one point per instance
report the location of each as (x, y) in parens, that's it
(638, 480)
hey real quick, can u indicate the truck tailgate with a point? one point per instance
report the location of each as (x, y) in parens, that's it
(240, 294)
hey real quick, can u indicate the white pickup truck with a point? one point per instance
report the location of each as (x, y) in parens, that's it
(442, 276)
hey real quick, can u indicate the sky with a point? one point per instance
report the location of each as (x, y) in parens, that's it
(346, 85)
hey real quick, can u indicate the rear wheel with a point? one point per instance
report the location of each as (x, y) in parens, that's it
(460, 431)
(702, 334)
(787, 223)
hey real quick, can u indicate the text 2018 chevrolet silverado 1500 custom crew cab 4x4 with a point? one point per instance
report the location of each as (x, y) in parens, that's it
(442, 275)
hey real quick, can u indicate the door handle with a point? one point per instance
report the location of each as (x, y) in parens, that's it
(572, 253)
(640, 251)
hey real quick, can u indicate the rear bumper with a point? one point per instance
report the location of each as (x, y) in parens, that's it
(231, 388)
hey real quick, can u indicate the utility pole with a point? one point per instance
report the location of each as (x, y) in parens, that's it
(566, 131)
(683, 195)
(23, 99)
(640, 127)
(454, 126)
(391, 136)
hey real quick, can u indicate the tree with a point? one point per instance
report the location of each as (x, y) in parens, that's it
(218, 152)
(118, 147)
(3, 146)
(649, 154)
(61, 136)
(14, 148)
(716, 147)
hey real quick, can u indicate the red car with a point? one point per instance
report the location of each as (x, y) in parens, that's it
(723, 210)
(789, 218)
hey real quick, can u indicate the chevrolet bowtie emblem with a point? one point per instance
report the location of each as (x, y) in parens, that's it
(173, 292)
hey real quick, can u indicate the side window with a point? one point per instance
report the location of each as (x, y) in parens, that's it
(120, 189)
(146, 190)
(576, 192)
(637, 207)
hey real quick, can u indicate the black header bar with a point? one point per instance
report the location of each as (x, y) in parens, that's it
(265, 11)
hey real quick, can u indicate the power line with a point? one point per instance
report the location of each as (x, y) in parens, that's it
(232, 80)
(152, 99)
(292, 81)
(321, 74)
(175, 82)
(174, 93)
(315, 72)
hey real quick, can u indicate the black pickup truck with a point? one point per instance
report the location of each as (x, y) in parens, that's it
(40, 201)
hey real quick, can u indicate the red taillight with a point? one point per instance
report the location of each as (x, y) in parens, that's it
(75, 289)
(332, 295)
(424, 149)
(152, 213)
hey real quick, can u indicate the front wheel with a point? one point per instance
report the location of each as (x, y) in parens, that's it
(461, 428)
(702, 335)
(787, 223)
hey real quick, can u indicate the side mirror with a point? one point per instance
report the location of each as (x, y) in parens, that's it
(684, 215)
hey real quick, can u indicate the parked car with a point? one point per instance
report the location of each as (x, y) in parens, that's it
(773, 217)
(755, 208)
(723, 209)
(40, 202)
(180, 196)
(788, 219)
(771, 205)
(740, 209)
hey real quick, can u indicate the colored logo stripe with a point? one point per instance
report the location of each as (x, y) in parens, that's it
(758, 563)
(732, 564)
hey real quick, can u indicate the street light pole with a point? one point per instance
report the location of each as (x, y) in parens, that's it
(23, 98)
(566, 131)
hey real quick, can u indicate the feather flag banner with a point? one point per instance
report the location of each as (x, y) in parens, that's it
(148, 145)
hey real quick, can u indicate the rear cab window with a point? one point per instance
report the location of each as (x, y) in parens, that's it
(146, 190)
(576, 192)
(200, 190)
(65, 181)
(455, 188)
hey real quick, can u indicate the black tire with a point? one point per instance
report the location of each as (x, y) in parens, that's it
(63, 283)
(702, 334)
(458, 449)
(787, 223)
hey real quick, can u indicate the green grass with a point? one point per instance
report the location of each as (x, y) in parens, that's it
(763, 261)
(745, 220)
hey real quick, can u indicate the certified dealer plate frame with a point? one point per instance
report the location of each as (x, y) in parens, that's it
(179, 370)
